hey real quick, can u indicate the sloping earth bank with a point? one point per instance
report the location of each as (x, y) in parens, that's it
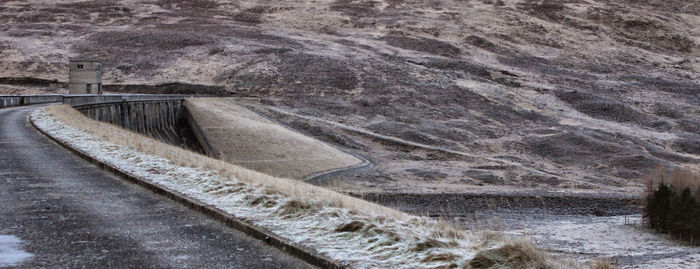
(246, 139)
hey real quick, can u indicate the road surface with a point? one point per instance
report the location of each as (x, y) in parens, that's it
(71, 214)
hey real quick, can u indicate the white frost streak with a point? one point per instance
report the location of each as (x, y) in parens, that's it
(10, 254)
(383, 243)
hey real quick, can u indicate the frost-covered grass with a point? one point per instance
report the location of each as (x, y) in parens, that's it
(624, 240)
(352, 231)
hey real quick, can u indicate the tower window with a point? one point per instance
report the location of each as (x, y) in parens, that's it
(80, 66)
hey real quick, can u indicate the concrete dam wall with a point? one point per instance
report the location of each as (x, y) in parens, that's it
(160, 117)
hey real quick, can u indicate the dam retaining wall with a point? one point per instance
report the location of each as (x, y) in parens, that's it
(159, 116)
(163, 117)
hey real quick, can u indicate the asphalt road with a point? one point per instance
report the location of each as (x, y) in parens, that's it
(71, 214)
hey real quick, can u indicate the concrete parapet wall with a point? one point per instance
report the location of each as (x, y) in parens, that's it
(18, 100)
(85, 100)
(40, 99)
(92, 99)
(8, 101)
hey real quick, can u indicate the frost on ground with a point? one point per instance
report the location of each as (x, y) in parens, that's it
(10, 253)
(354, 238)
(623, 239)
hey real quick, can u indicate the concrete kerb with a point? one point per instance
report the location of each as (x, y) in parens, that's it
(317, 177)
(303, 253)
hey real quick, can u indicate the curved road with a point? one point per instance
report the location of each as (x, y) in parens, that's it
(71, 214)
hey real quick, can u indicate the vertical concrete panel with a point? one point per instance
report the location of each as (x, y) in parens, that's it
(110, 114)
(142, 111)
(139, 114)
(115, 115)
(147, 116)
(161, 115)
(125, 115)
(132, 117)
(134, 121)
(169, 119)
(120, 111)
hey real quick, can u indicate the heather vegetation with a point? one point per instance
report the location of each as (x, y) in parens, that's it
(582, 96)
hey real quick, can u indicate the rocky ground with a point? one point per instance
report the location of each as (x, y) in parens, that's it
(567, 96)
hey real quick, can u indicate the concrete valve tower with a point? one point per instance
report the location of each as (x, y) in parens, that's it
(85, 76)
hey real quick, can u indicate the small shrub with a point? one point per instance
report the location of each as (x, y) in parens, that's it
(263, 201)
(672, 205)
(515, 255)
(294, 208)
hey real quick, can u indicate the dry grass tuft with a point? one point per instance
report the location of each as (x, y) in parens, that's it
(449, 230)
(489, 237)
(352, 226)
(387, 233)
(432, 243)
(519, 254)
(446, 256)
(295, 208)
(602, 264)
(263, 201)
